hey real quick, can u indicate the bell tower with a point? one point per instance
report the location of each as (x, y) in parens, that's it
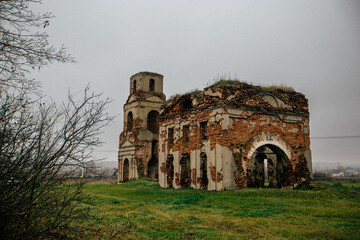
(146, 82)
(138, 147)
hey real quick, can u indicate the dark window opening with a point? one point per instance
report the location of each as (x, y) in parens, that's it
(126, 170)
(185, 171)
(153, 168)
(203, 171)
(170, 170)
(186, 133)
(154, 148)
(153, 122)
(153, 164)
(187, 105)
(152, 85)
(203, 130)
(130, 121)
(134, 85)
(171, 136)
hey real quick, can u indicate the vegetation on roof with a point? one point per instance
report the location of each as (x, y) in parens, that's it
(238, 83)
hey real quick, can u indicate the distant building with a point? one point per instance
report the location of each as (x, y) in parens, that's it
(219, 138)
(350, 172)
(337, 173)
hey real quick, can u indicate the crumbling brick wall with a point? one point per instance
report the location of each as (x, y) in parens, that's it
(239, 119)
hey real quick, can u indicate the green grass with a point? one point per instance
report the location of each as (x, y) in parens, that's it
(155, 213)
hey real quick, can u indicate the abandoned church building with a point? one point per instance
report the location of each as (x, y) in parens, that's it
(231, 135)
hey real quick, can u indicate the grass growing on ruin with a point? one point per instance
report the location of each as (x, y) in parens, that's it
(155, 213)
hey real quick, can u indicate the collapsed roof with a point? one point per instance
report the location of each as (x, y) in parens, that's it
(232, 94)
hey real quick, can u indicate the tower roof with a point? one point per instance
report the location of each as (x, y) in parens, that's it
(147, 74)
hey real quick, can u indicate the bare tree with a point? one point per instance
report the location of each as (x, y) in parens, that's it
(39, 139)
(24, 42)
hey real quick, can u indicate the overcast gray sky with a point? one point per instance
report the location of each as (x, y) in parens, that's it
(313, 46)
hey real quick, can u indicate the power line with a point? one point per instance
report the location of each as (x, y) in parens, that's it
(335, 137)
(105, 151)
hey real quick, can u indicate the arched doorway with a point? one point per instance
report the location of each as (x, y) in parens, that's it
(203, 171)
(268, 164)
(170, 170)
(126, 170)
(153, 122)
(185, 171)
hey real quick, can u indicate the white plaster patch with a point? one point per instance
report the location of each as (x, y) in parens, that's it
(294, 130)
(209, 92)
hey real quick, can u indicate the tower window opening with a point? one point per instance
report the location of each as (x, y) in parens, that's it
(130, 121)
(151, 85)
(153, 122)
(134, 85)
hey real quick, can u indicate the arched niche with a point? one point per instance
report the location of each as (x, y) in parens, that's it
(126, 170)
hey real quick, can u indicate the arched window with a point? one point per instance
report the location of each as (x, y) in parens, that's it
(130, 121)
(151, 85)
(153, 122)
(134, 85)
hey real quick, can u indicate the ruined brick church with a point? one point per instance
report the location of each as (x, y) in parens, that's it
(229, 136)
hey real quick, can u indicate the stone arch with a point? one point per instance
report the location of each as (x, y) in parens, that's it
(151, 85)
(273, 101)
(269, 163)
(170, 170)
(203, 171)
(153, 121)
(265, 138)
(130, 121)
(126, 170)
(268, 159)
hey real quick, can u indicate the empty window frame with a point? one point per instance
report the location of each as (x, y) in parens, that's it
(203, 130)
(186, 133)
(171, 136)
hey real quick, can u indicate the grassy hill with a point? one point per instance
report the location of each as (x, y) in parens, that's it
(141, 210)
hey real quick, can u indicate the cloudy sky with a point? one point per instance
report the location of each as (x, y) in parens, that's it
(313, 46)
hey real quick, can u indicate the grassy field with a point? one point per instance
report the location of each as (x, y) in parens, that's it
(145, 211)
